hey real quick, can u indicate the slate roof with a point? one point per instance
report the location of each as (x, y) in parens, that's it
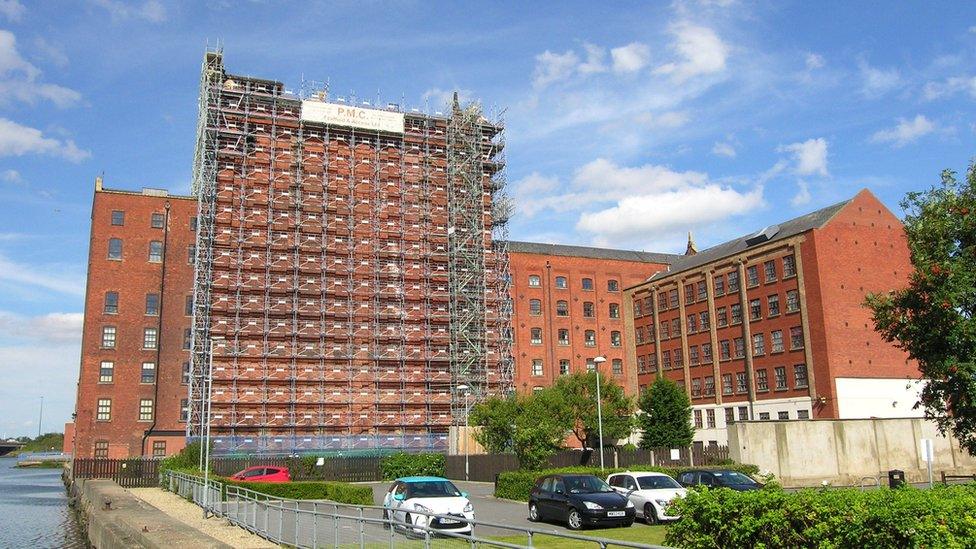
(590, 252)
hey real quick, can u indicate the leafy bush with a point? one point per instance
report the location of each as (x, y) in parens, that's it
(518, 484)
(904, 517)
(188, 459)
(405, 465)
(334, 491)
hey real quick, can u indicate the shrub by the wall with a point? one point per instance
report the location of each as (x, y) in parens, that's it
(905, 517)
(405, 465)
(335, 491)
(518, 485)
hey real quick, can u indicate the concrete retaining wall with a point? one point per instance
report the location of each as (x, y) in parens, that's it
(114, 518)
(806, 453)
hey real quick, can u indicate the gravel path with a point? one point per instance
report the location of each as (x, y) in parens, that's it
(192, 515)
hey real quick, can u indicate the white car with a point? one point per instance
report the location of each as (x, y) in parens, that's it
(409, 499)
(649, 492)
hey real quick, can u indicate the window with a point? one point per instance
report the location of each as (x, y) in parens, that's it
(673, 299)
(755, 309)
(769, 268)
(641, 365)
(638, 312)
(698, 419)
(193, 223)
(149, 338)
(776, 341)
(562, 308)
(710, 418)
(676, 327)
(588, 309)
(740, 348)
(186, 373)
(729, 415)
(108, 337)
(639, 335)
(111, 303)
(722, 317)
(773, 304)
(783, 415)
(148, 372)
(662, 301)
(726, 384)
(191, 255)
(693, 355)
(587, 283)
(736, 314)
(689, 294)
(145, 409)
(535, 307)
(614, 310)
(762, 380)
(613, 286)
(118, 218)
(615, 339)
(803, 414)
(184, 410)
(106, 371)
(188, 307)
(590, 365)
(706, 353)
(789, 266)
(758, 344)
(157, 221)
(561, 282)
(800, 376)
(665, 330)
(692, 323)
(743, 413)
(666, 360)
(764, 416)
(564, 367)
(752, 275)
(152, 304)
(115, 248)
(702, 291)
(792, 301)
(703, 321)
(187, 339)
(617, 366)
(155, 251)
(537, 366)
(679, 359)
(103, 412)
(589, 338)
(796, 337)
(652, 362)
(535, 281)
(536, 336)
(101, 446)
(734, 281)
(720, 285)
(649, 305)
(724, 350)
(709, 386)
(740, 382)
(696, 387)
(563, 336)
(780, 377)
(159, 448)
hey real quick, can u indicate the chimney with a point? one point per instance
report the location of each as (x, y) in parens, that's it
(691, 249)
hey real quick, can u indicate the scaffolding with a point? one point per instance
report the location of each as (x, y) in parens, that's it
(348, 280)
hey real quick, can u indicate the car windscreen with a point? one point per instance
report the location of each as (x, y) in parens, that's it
(432, 489)
(655, 483)
(732, 477)
(586, 485)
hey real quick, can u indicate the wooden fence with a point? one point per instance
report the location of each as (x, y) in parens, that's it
(346, 469)
(129, 473)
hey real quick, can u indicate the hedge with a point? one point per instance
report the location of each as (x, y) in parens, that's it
(518, 484)
(339, 492)
(903, 517)
(402, 464)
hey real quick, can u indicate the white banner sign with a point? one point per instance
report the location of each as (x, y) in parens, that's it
(338, 114)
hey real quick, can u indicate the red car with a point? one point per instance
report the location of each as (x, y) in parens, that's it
(263, 473)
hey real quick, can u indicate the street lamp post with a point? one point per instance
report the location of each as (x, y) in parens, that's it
(466, 391)
(599, 406)
(205, 451)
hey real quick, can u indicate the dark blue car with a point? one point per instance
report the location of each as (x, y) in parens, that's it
(579, 500)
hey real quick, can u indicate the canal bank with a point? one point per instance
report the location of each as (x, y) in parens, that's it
(34, 510)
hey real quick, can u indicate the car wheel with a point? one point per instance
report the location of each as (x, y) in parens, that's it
(650, 515)
(386, 520)
(533, 512)
(408, 525)
(574, 520)
(628, 524)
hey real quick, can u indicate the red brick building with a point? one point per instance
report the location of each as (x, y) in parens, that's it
(772, 325)
(569, 309)
(132, 391)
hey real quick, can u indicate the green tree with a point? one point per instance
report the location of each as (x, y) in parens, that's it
(495, 416)
(530, 426)
(666, 418)
(932, 318)
(573, 398)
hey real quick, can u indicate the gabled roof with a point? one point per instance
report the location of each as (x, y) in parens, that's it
(786, 229)
(587, 251)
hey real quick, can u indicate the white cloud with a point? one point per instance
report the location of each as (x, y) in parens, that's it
(18, 140)
(533, 193)
(815, 61)
(699, 49)
(57, 327)
(810, 156)
(152, 11)
(19, 78)
(802, 195)
(442, 99)
(12, 10)
(949, 87)
(42, 370)
(48, 278)
(907, 131)
(552, 67)
(50, 52)
(877, 82)
(723, 149)
(594, 59)
(630, 58)
(661, 121)
(11, 176)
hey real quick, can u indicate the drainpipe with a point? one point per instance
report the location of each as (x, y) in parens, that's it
(159, 331)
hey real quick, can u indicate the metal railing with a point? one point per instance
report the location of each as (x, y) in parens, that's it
(319, 523)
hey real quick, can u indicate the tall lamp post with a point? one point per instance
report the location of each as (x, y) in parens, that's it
(205, 451)
(466, 390)
(599, 406)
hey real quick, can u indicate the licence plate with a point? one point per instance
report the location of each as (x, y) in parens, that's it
(616, 513)
(449, 521)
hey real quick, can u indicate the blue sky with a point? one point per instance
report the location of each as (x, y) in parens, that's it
(627, 126)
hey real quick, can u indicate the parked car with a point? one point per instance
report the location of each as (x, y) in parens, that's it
(579, 500)
(436, 495)
(651, 493)
(263, 473)
(719, 478)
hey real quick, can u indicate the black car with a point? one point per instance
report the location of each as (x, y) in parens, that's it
(579, 500)
(719, 478)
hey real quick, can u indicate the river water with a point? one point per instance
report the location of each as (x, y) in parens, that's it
(34, 509)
